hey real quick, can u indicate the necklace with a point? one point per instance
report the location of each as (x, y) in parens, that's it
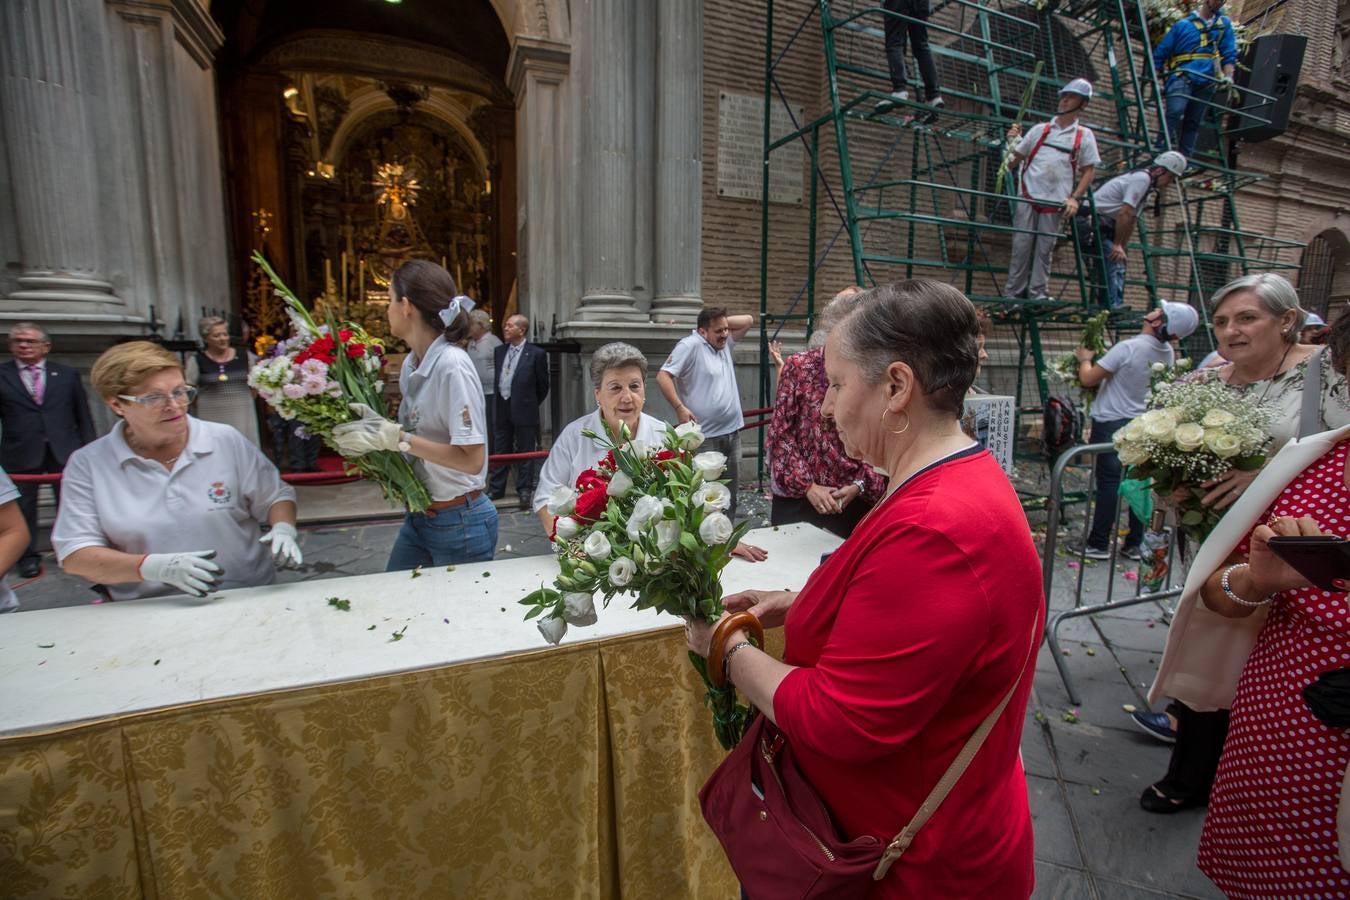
(1269, 380)
(167, 463)
(220, 367)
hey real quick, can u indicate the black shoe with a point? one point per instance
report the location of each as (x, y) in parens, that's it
(1155, 801)
(526, 500)
(30, 568)
(496, 495)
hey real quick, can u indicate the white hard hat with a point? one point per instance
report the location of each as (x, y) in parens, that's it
(1172, 161)
(1314, 320)
(1080, 86)
(1181, 318)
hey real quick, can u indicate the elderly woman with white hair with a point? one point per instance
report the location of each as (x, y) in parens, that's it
(1256, 322)
(812, 478)
(219, 372)
(619, 377)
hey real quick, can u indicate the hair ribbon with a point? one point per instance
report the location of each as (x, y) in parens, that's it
(451, 312)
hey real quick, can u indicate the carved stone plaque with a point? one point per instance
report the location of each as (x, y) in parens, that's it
(740, 150)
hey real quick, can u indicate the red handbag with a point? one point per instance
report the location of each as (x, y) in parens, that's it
(778, 834)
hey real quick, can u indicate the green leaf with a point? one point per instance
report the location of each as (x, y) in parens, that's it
(689, 542)
(1192, 517)
(542, 597)
(339, 603)
(398, 635)
(1249, 463)
(534, 612)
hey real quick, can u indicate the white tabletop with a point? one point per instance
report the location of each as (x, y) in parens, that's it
(74, 664)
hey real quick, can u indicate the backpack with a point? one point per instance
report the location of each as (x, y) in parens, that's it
(1061, 426)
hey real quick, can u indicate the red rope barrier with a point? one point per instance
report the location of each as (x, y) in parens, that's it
(337, 477)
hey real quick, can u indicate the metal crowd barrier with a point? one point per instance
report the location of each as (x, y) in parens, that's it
(1054, 516)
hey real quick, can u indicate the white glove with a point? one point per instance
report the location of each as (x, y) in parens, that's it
(191, 572)
(285, 548)
(366, 434)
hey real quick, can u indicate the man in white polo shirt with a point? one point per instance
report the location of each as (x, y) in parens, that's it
(699, 381)
(1058, 159)
(1117, 203)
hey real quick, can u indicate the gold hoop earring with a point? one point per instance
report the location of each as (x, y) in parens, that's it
(903, 412)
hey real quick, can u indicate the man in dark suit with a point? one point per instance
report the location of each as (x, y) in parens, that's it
(521, 385)
(44, 417)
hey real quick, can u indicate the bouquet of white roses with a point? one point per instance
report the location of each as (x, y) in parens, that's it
(1198, 432)
(649, 521)
(1160, 374)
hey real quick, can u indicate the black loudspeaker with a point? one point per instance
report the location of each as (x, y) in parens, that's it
(1271, 67)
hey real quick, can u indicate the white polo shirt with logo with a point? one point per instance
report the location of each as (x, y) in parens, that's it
(443, 402)
(218, 494)
(706, 379)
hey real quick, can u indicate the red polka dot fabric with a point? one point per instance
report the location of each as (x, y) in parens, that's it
(1271, 829)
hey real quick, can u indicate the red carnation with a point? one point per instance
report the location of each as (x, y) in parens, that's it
(344, 335)
(591, 505)
(665, 455)
(356, 351)
(608, 462)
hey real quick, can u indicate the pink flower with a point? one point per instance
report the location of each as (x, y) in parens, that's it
(313, 368)
(314, 384)
(293, 391)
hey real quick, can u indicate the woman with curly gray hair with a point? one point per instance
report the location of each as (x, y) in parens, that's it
(619, 377)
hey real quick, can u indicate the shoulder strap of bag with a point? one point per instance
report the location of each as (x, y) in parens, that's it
(954, 772)
(1310, 419)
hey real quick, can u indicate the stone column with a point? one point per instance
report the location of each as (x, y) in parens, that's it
(605, 59)
(545, 172)
(679, 161)
(46, 93)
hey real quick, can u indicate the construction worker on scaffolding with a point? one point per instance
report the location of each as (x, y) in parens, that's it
(1117, 204)
(1197, 54)
(1058, 159)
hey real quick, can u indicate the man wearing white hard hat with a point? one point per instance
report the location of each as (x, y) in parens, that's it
(1122, 380)
(1117, 203)
(1314, 330)
(1058, 159)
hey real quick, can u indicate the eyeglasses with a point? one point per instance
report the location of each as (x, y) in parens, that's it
(182, 396)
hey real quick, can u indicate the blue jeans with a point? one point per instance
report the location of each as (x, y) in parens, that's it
(1108, 490)
(1115, 276)
(461, 534)
(1186, 106)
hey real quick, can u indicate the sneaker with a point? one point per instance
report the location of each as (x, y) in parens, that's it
(936, 105)
(890, 102)
(1079, 549)
(1132, 553)
(1156, 724)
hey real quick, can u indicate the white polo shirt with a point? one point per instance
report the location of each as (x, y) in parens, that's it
(1130, 188)
(1049, 176)
(8, 494)
(573, 453)
(220, 490)
(443, 402)
(706, 380)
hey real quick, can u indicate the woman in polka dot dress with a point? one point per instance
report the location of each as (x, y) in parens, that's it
(1271, 829)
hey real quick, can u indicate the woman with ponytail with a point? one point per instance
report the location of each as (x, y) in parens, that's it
(441, 423)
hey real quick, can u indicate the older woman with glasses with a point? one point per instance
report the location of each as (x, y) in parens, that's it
(166, 503)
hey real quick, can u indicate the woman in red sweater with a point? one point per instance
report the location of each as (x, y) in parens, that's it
(909, 635)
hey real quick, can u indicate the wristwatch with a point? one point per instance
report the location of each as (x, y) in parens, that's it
(860, 483)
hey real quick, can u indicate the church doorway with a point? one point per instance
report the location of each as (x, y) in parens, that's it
(360, 134)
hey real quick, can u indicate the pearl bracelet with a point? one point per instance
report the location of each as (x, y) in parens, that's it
(1228, 588)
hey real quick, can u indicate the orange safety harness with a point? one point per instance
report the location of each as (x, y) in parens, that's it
(1073, 165)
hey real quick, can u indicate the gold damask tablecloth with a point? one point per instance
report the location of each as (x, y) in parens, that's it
(567, 772)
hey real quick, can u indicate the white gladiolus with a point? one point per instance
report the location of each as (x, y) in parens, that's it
(567, 528)
(579, 609)
(552, 628)
(597, 546)
(714, 496)
(690, 435)
(619, 484)
(1189, 436)
(715, 529)
(621, 571)
(710, 464)
(667, 535)
(562, 501)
